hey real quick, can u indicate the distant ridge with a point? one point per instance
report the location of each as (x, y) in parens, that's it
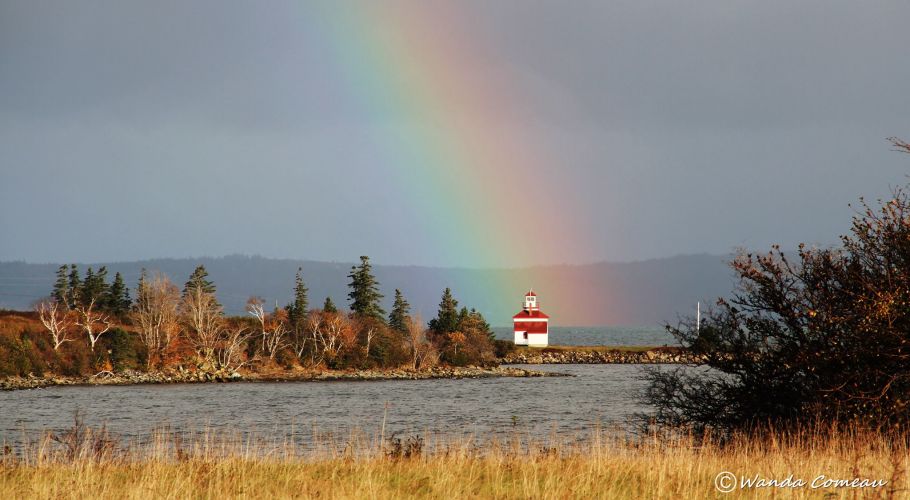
(648, 292)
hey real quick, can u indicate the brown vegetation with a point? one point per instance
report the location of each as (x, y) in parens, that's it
(91, 463)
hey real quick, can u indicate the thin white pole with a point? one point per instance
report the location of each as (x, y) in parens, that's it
(698, 316)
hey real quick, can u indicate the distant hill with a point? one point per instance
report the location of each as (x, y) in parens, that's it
(636, 293)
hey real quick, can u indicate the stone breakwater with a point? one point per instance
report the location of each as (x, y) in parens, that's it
(584, 357)
(185, 377)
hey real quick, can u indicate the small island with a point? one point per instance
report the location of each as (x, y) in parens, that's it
(90, 331)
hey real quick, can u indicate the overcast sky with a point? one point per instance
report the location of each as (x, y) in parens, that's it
(171, 129)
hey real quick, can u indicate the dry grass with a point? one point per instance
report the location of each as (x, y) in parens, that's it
(86, 464)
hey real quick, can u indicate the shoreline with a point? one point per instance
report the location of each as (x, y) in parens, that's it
(554, 355)
(133, 377)
(600, 355)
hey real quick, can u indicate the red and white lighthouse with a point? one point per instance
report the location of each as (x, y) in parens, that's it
(531, 325)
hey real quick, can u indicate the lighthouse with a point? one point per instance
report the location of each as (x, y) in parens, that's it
(531, 325)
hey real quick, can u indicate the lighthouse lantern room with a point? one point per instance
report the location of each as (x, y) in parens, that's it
(531, 325)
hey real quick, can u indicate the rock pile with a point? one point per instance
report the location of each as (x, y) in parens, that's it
(184, 376)
(585, 356)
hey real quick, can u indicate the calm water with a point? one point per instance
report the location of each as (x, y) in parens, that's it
(604, 393)
(602, 335)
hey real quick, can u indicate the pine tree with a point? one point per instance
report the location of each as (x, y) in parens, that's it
(364, 293)
(75, 286)
(118, 300)
(297, 310)
(329, 306)
(398, 318)
(61, 291)
(482, 322)
(143, 277)
(463, 316)
(199, 279)
(446, 320)
(101, 279)
(92, 287)
(95, 287)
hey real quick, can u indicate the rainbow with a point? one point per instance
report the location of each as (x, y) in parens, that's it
(457, 140)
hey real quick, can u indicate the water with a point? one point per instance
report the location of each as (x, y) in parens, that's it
(569, 405)
(602, 335)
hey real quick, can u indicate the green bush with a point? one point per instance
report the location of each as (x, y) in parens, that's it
(121, 348)
(502, 348)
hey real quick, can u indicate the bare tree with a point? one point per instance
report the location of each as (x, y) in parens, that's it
(57, 319)
(228, 352)
(369, 332)
(900, 145)
(331, 333)
(300, 341)
(156, 315)
(203, 318)
(339, 334)
(273, 327)
(314, 327)
(423, 354)
(93, 323)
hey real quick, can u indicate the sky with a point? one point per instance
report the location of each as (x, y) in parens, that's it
(468, 133)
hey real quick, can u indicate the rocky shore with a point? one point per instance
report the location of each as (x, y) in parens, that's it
(663, 355)
(185, 377)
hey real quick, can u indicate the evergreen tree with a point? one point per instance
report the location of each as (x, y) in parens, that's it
(199, 279)
(75, 286)
(398, 318)
(101, 279)
(364, 293)
(61, 290)
(141, 288)
(297, 310)
(118, 300)
(94, 286)
(97, 288)
(143, 276)
(463, 316)
(446, 320)
(482, 322)
(329, 306)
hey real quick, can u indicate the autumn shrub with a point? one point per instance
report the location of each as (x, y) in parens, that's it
(502, 348)
(74, 359)
(389, 349)
(823, 335)
(469, 348)
(286, 359)
(19, 357)
(351, 358)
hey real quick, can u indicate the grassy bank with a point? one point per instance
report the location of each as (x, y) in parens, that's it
(609, 465)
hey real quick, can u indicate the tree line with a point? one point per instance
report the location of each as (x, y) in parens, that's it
(169, 326)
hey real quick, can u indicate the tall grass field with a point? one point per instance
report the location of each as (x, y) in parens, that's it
(88, 463)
